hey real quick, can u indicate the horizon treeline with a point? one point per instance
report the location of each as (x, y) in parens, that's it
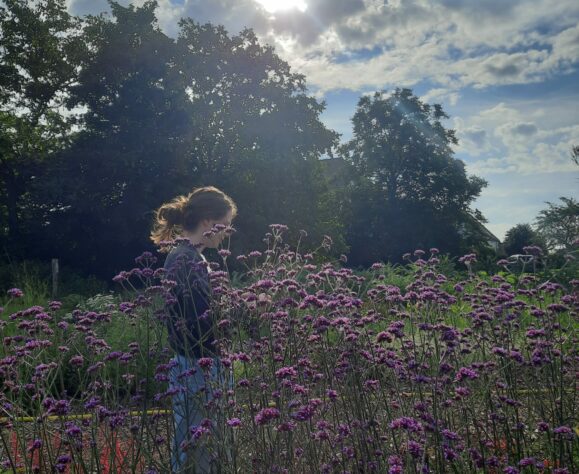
(104, 118)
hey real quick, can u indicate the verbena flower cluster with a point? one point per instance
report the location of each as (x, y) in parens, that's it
(333, 371)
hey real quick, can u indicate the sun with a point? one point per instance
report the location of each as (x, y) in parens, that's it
(273, 6)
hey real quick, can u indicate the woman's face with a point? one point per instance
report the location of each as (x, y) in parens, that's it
(215, 240)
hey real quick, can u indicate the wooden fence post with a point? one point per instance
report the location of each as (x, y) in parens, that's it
(54, 278)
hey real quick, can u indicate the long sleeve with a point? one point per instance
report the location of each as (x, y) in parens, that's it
(189, 322)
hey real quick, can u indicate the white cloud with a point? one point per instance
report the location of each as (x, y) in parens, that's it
(516, 144)
(440, 95)
(451, 43)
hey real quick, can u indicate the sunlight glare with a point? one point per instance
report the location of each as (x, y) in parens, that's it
(273, 6)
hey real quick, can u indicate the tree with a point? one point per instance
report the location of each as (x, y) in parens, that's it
(40, 50)
(520, 236)
(411, 191)
(559, 224)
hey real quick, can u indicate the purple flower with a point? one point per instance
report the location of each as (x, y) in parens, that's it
(332, 394)
(462, 391)
(468, 259)
(557, 308)
(92, 403)
(516, 355)
(15, 293)
(542, 426)
(396, 328)
(395, 460)
(265, 284)
(63, 325)
(286, 427)
(449, 435)
(304, 413)
(205, 363)
(265, 415)
(527, 462)
(532, 250)
(465, 372)
(122, 276)
(407, 423)
(198, 431)
(449, 453)
(233, 422)
(564, 431)
(286, 372)
(64, 459)
(414, 448)
(36, 444)
(72, 429)
(534, 333)
(114, 355)
(384, 336)
(510, 470)
(500, 351)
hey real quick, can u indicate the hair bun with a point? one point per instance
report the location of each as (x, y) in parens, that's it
(171, 213)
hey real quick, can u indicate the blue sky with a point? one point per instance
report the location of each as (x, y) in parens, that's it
(506, 71)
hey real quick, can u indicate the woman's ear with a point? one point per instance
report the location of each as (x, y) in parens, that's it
(206, 225)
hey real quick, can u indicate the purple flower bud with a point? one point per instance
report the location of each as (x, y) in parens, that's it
(332, 394)
(564, 431)
(527, 462)
(407, 423)
(533, 250)
(265, 415)
(510, 470)
(36, 444)
(542, 426)
(465, 372)
(284, 372)
(205, 363)
(414, 448)
(233, 422)
(449, 435)
(15, 293)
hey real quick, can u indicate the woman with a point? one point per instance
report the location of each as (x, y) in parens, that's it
(197, 221)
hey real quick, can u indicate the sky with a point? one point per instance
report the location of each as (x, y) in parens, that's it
(506, 71)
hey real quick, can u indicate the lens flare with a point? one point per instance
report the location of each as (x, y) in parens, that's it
(273, 6)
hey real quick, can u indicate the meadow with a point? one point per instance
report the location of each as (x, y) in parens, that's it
(417, 368)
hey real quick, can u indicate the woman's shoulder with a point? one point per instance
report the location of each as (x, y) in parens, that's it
(183, 253)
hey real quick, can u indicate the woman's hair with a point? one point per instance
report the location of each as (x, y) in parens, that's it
(187, 212)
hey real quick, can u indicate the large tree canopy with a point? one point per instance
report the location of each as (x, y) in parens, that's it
(558, 224)
(411, 191)
(521, 236)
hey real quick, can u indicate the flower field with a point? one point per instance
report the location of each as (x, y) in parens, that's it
(386, 371)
